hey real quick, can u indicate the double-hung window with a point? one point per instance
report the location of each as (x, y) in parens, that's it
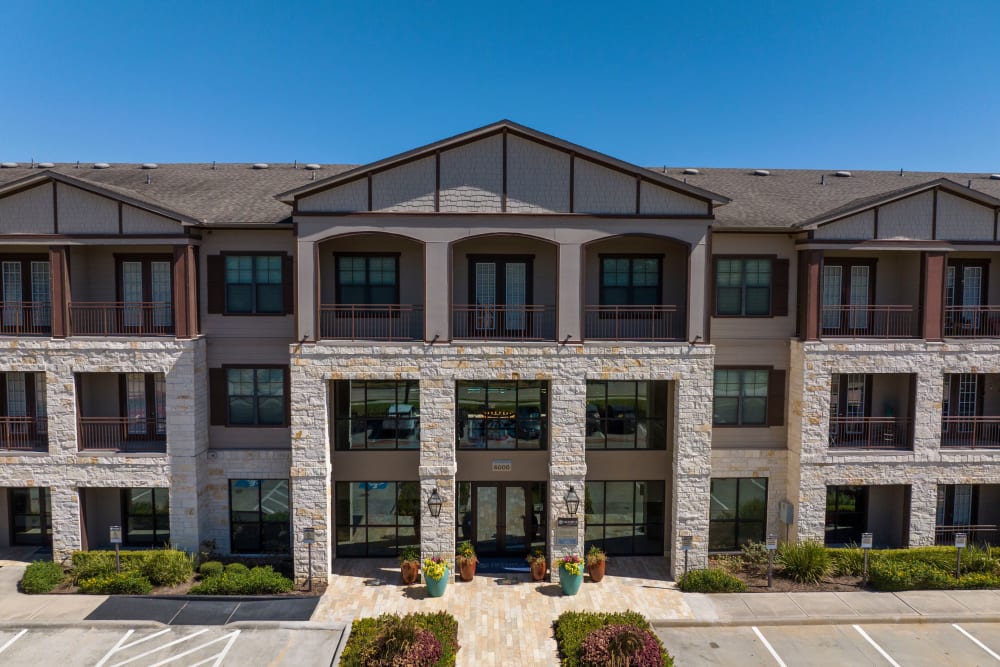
(634, 280)
(743, 286)
(254, 284)
(740, 397)
(255, 396)
(368, 279)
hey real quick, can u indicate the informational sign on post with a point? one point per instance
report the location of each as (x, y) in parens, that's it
(866, 545)
(772, 542)
(866, 540)
(960, 542)
(686, 542)
(772, 546)
(116, 534)
(961, 539)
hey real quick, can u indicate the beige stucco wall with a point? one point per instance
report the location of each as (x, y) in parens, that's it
(28, 212)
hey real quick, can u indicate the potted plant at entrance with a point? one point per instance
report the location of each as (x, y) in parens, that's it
(409, 564)
(597, 561)
(537, 563)
(465, 559)
(436, 575)
(570, 573)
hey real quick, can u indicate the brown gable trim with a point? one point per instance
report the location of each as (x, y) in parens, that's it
(503, 169)
(55, 208)
(623, 216)
(934, 208)
(437, 183)
(572, 180)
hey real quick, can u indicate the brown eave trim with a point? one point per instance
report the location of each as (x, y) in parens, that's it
(626, 216)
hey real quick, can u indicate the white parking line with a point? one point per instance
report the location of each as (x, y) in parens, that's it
(770, 649)
(232, 638)
(12, 640)
(962, 630)
(877, 647)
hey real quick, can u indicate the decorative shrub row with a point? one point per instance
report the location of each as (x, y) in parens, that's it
(127, 582)
(414, 640)
(237, 579)
(164, 567)
(42, 576)
(710, 581)
(589, 639)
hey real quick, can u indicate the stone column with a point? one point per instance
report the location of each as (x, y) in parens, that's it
(437, 291)
(570, 296)
(187, 437)
(567, 462)
(692, 461)
(310, 471)
(923, 512)
(437, 466)
(66, 536)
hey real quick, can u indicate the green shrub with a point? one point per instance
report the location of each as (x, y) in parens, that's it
(979, 580)
(805, 562)
(42, 576)
(258, 581)
(238, 568)
(124, 583)
(167, 567)
(980, 560)
(754, 555)
(710, 581)
(572, 628)
(847, 562)
(890, 573)
(211, 568)
(369, 636)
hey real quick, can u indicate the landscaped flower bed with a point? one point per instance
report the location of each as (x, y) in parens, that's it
(415, 640)
(588, 639)
(813, 567)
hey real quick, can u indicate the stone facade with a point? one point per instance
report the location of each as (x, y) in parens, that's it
(924, 467)
(64, 469)
(566, 368)
(768, 463)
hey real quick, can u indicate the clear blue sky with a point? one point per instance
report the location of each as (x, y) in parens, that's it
(841, 85)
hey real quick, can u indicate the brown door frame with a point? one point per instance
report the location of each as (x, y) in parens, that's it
(501, 527)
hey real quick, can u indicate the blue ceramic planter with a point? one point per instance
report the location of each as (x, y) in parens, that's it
(436, 588)
(570, 582)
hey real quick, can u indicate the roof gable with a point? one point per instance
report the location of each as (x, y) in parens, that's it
(503, 167)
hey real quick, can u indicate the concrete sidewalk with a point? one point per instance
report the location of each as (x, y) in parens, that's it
(16, 606)
(832, 608)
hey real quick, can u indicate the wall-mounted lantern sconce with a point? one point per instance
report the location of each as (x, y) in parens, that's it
(572, 501)
(434, 503)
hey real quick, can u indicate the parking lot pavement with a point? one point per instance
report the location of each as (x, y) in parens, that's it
(150, 646)
(199, 611)
(878, 644)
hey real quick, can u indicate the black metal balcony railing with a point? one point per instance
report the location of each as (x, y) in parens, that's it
(117, 318)
(504, 322)
(979, 534)
(972, 321)
(866, 321)
(654, 323)
(869, 433)
(25, 318)
(970, 432)
(372, 322)
(26, 434)
(122, 434)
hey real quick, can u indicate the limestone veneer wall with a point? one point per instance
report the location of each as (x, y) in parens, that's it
(813, 465)
(769, 463)
(65, 470)
(438, 367)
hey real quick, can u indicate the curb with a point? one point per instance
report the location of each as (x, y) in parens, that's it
(826, 620)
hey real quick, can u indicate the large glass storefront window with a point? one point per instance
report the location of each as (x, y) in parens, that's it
(376, 414)
(625, 518)
(31, 516)
(502, 415)
(147, 517)
(738, 512)
(259, 520)
(626, 415)
(377, 518)
(846, 514)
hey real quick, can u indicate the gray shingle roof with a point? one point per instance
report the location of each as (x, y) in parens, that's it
(237, 193)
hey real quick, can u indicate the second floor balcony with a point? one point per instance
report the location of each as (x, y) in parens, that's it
(872, 411)
(121, 412)
(970, 411)
(23, 434)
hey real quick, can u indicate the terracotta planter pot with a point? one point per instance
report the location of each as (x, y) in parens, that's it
(467, 570)
(596, 570)
(538, 569)
(410, 570)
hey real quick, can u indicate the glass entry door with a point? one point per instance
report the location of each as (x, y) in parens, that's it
(500, 292)
(505, 519)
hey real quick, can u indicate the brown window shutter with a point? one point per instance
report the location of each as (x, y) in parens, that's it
(776, 398)
(218, 397)
(216, 283)
(779, 287)
(288, 284)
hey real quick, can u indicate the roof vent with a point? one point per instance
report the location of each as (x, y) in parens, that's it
(691, 172)
(842, 174)
(46, 165)
(261, 165)
(7, 165)
(761, 172)
(101, 165)
(150, 165)
(995, 177)
(312, 166)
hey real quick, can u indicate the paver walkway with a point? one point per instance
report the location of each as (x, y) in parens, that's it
(502, 619)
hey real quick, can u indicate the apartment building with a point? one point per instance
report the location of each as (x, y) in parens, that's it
(501, 337)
